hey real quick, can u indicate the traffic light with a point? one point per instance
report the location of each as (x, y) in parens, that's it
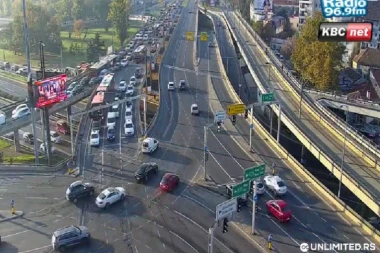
(256, 208)
(239, 205)
(233, 119)
(225, 225)
(246, 114)
(206, 156)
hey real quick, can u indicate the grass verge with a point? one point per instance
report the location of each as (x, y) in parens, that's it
(12, 76)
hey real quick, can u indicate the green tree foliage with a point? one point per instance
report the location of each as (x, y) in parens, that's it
(5, 8)
(264, 30)
(318, 62)
(118, 15)
(41, 27)
(95, 48)
(288, 30)
(258, 26)
(78, 9)
(101, 9)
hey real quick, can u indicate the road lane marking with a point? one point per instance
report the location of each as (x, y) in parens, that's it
(36, 198)
(2, 192)
(286, 233)
(40, 248)
(198, 202)
(22, 232)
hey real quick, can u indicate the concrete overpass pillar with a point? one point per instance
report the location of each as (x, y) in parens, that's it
(17, 140)
(68, 110)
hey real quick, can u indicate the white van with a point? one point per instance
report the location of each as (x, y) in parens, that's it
(149, 145)
(194, 109)
(2, 118)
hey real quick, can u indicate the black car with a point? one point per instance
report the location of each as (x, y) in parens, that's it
(95, 80)
(111, 134)
(96, 125)
(84, 81)
(145, 171)
(79, 190)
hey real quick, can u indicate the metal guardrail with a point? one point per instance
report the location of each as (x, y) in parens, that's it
(326, 115)
(356, 182)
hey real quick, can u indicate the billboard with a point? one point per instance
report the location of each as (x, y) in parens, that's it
(263, 6)
(51, 91)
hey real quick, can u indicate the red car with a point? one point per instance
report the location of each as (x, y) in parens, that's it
(169, 181)
(278, 209)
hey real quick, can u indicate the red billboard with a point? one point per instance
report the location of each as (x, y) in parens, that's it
(51, 91)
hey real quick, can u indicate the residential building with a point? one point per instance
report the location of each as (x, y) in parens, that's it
(307, 8)
(349, 78)
(367, 59)
(277, 23)
(374, 77)
(276, 44)
(373, 15)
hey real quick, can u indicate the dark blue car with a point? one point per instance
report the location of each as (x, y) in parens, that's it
(111, 134)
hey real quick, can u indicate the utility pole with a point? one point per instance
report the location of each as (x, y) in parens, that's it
(31, 88)
(254, 207)
(46, 122)
(205, 148)
(145, 120)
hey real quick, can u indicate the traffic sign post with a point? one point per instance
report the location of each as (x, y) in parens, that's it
(253, 206)
(220, 116)
(204, 36)
(226, 208)
(254, 172)
(235, 109)
(240, 188)
(190, 36)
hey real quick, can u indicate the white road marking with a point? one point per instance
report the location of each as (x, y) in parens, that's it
(188, 185)
(198, 202)
(163, 245)
(2, 192)
(21, 232)
(36, 198)
(40, 248)
(286, 233)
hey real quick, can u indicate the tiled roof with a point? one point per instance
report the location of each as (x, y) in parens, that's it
(368, 57)
(351, 74)
(373, 11)
(360, 92)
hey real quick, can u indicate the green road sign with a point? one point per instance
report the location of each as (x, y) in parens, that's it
(267, 97)
(254, 172)
(241, 188)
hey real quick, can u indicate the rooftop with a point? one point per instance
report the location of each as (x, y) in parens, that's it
(351, 74)
(368, 57)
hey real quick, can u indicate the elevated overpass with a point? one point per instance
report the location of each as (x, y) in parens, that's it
(14, 124)
(318, 133)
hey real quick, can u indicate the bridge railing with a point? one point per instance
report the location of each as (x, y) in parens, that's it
(362, 141)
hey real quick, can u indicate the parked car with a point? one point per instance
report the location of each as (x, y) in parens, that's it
(69, 236)
(21, 113)
(19, 107)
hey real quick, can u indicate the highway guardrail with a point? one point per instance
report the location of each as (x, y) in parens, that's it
(298, 168)
(362, 141)
(349, 181)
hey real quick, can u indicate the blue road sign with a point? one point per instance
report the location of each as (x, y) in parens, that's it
(270, 238)
(255, 198)
(251, 126)
(206, 149)
(12, 202)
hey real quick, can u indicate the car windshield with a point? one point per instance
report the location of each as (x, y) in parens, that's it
(30, 136)
(141, 170)
(94, 136)
(129, 103)
(133, 78)
(195, 108)
(96, 124)
(111, 131)
(164, 180)
(260, 185)
(145, 144)
(111, 120)
(128, 126)
(122, 84)
(280, 183)
(114, 108)
(130, 88)
(102, 196)
(128, 113)
(55, 135)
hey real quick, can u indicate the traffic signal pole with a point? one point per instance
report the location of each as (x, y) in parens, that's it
(253, 207)
(211, 239)
(250, 130)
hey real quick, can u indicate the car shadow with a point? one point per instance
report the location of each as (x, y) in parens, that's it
(7, 247)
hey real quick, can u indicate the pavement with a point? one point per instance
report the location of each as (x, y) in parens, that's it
(6, 215)
(313, 217)
(354, 164)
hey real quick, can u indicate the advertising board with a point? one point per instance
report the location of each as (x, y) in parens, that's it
(263, 6)
(51, 91)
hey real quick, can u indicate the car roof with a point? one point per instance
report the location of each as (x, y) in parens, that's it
(111, 114)
(111, 127)
(169, 175)
(182, 81)
(76, 183)
(128, 109)
(95, 132)
(122, 81)
(194, 105)
(65, 230)
(171, 82)
(128, 121)
(108, 190)
(281, 203)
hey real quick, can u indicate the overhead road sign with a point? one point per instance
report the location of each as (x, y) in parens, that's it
(220, 116)
(235, 109)
(226, 208)
(204, 36)
(241, 188)
(254, 172)
(190, 36)
(267, 98)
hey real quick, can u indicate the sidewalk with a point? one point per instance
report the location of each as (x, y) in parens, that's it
(6, 215)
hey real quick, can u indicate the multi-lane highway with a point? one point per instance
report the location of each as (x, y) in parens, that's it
(313, 216)
(354, 164)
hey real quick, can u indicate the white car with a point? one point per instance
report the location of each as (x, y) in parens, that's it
(116, 110)
(150, 145)
(128, 105)
(111, 119)
(21, 113)
(130, 90)
(275, 184)
(55, 137)
(145, 37)
(94, 139)
(110, 196)
(124, 63)
(128, 114)
(42, 148)
(171, 86)
(129, 128)
(260, 188)
(19, 107)
(132, 80)
(122, 85)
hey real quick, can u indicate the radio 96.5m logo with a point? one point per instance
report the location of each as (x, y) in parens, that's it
(344, 8)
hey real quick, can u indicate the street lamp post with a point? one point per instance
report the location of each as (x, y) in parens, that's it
(240, 90)
(344, 150)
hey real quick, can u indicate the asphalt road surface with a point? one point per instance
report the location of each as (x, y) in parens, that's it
(314, 221)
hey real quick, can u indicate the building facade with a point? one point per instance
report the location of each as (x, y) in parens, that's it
(373, 16)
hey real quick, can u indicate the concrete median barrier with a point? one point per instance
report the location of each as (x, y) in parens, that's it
(318, 187)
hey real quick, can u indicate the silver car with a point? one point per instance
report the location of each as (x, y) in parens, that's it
(69, 236)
